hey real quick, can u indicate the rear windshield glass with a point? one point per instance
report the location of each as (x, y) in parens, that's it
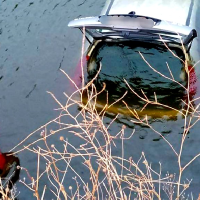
(122, 60)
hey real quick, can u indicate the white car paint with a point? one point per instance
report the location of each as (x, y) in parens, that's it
(182, 12)
(174, 11)
(169, 19)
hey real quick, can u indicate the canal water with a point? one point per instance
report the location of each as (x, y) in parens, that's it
(35, 43)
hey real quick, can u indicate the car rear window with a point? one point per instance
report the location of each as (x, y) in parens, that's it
(122, 60)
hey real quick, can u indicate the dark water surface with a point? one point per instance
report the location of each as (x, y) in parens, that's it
(35, 43)
(122, 61)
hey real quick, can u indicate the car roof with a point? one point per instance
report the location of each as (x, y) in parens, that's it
(175, 11)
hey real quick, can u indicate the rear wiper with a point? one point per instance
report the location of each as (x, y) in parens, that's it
(141, 38)
(127, 34)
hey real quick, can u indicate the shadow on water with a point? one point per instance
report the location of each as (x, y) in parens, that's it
(121, 61)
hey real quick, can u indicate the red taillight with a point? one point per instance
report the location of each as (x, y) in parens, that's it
(2, 161)
(87, 57)
(192, 81)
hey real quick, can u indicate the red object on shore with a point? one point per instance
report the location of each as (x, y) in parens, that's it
(2, 161)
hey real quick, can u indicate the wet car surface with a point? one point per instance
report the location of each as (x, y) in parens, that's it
(35, 44)
(122, 61)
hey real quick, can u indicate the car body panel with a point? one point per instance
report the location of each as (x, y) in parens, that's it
(174, 11)
(127, 22)
(169, 20)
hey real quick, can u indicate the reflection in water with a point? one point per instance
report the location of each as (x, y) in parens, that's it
(9, 164)
(122, 61)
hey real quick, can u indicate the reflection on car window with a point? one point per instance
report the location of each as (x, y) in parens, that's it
(122, 60)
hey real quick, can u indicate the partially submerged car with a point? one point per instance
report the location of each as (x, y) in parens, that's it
(126, 28)
(141, 20)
